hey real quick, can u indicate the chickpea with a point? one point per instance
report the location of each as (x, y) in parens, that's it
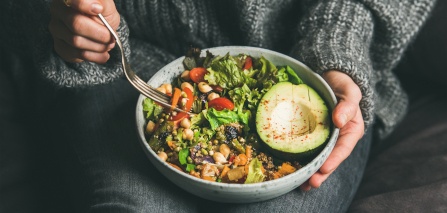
(204, 87)
(188, 134)
(163, 156)
(219, 158)
(168, 88)
(212, 96)
(209, 170)
(185, 123)
(150, 127)
(184, 101)
(185, 75)
(225, 150)
(188, 85)
(162, 89)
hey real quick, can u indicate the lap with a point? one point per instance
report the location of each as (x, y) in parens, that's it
(101, 129)
(29, 178)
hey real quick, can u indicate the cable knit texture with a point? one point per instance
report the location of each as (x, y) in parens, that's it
(363, 38)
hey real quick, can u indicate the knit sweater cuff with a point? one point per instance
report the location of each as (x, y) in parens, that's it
(337, 36)
(86, 73)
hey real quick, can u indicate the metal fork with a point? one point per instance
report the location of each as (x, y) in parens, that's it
(137, 82)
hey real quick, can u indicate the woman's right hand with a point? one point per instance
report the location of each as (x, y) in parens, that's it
(78, 33)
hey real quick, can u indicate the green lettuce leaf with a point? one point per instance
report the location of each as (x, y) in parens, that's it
(282, 75)
(225, 72)
(183, 155)
(218, 118)
(151, 109)
(293, 77)
(243, 96)
(267, 73)
(255, 174)
(190, 167)
(197, 120)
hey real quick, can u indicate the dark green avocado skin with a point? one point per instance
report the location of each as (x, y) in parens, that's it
(302, 158)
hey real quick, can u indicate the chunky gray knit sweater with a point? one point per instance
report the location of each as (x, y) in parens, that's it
(363, 38)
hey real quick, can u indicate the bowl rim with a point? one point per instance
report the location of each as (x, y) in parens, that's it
(329, 146)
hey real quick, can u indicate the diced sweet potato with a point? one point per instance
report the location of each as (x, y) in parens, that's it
(286, 169)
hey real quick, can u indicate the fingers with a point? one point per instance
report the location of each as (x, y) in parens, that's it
(74, 55)
(81, 25)
(305, 186)
(349, 135)
(348, 94)
(75, 48)
(344, 112)
(78, 34)
(63, 33)
(348, 138)
(348, 117)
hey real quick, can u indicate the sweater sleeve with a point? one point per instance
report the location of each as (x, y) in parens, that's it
(66, 74)
(30, 37)
(364, 39)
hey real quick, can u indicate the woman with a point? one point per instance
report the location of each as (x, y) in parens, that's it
(353, 44)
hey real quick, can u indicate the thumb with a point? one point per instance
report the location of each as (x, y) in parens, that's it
(348, 94)
(343, 112)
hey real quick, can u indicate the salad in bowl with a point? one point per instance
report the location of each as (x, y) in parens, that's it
(244, 119)
(262, 117)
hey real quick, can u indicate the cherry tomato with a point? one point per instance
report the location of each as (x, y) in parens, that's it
(221, 104)
(248, 63)
(198, 74)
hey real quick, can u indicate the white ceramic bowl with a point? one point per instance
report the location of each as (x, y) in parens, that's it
(240, 193)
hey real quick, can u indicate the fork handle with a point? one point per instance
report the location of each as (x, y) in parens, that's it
(110, 29)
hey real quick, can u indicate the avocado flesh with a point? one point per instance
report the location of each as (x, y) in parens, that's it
(293, 121)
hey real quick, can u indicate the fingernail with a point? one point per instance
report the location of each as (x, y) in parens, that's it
(305, 188)
(96, 8)
(111, 46)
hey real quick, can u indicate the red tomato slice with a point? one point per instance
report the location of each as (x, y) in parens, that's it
(221, 104)
(248, 63)
(179, 116)
(190, 99)
(198, 74)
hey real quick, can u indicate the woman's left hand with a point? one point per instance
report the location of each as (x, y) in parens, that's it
(346, 116)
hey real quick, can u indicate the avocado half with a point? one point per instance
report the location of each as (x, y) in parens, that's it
(293, 121)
